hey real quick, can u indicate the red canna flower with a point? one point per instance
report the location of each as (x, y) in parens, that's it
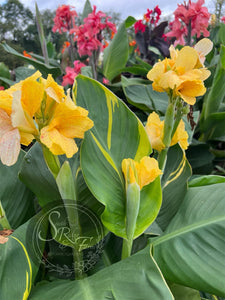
(64, 19)
(139, 26)
(193, 14)
(89, 35)
(71, 73)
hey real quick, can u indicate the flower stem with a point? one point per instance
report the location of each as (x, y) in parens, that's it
(167, 134)
(126, 249)
(71, 49)
(162, 158)
(93, 65)
(52, 161)
(132, 210)
(65, 183)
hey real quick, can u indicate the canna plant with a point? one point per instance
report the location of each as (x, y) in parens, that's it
(97, 204)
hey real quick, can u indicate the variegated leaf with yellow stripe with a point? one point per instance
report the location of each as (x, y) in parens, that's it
(117, 134)
(174, 183)
(19, 260)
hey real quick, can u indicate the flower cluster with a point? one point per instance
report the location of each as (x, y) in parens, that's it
(71, 73)
(150, 17)
(64, 20)
(37, 108)
(191, 16)
(89, 35)
(183, 73)
(139, 26)
(155, 131)
(153, 16)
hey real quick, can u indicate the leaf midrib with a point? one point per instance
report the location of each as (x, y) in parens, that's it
(187, 229)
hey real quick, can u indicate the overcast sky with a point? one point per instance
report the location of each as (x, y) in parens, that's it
(135, 8)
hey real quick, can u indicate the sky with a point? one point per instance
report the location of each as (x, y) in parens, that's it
(135, 8)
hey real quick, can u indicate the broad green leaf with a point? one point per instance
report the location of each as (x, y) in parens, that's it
(116, 54)
(144, 97)
(7, 81)
(130, 21)
(37, 177)
(191, 250)
(222, 33)
(17, 200)
(181, 292)
(44, 69)
(117, 134)
(134, 278)
(136, 70)
(143, 63)
(19, 263)
(87, 71)
(206, 180)
(200, 158)
(216, 125)
(154, 50)
(216, 95)
(4, 71)
(23, 72)
(174, 182)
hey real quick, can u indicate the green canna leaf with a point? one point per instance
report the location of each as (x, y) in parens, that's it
(117, 134)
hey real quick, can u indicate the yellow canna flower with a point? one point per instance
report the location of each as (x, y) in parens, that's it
(143, 172)
(16, 121)
(38, 108)
(183, 72)
(155, 129)
(180, 136)
(68, 122)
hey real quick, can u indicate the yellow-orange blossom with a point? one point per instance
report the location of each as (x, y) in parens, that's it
(143, 172)
(38, 108)
(155, 131)
(183, 73)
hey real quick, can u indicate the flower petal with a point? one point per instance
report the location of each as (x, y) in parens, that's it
(57, 143)
(77, 120)
(148, 170)
(54, 90)
(10, 147)
(5, 123)
(186, 59)
(180, 136)
(190, 89)
(19, 117)
(32, 93)
(6, 101)
(154, 128)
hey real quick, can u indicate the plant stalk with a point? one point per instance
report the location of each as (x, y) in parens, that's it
(126, 249)
(167, 134)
